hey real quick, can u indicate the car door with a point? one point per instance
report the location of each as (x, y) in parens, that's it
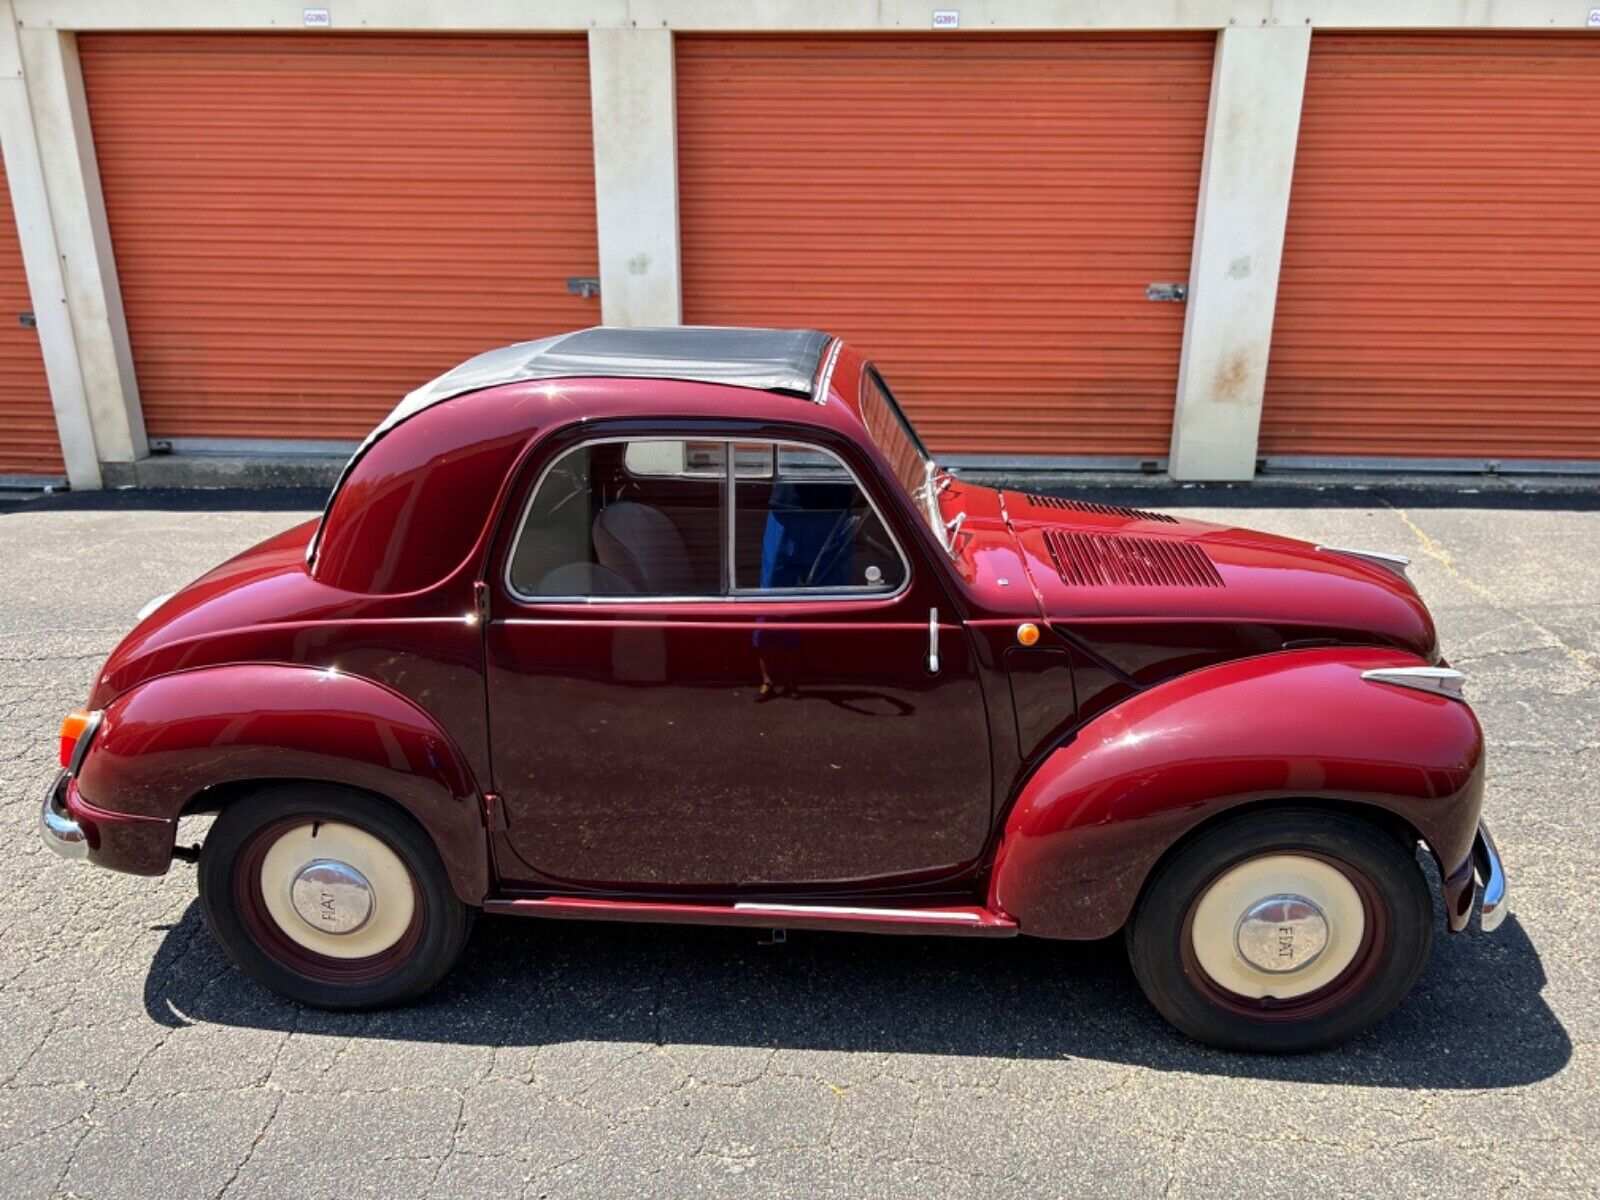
(709, 668)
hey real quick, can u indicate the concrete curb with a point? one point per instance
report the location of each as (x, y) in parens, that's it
(224, 471)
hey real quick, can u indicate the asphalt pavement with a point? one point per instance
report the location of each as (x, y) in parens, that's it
(598, 1060)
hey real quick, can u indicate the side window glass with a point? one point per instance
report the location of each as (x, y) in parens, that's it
(640, 518)
(803, 525)
(650, 518)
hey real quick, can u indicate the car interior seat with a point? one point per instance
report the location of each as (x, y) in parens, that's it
(641, 544)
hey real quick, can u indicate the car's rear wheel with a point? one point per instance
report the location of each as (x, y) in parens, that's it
(1282, 931)
(330, 897)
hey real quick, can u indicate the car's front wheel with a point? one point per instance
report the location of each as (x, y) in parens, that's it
(330, 897)
(1282, 931)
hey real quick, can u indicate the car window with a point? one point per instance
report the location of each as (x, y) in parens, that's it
(808, 527)
(650, 518)
(597, 528)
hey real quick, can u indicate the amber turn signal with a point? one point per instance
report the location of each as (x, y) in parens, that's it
(1027, 633)
(71, 730)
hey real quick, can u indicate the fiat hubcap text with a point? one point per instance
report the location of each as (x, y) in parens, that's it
(332, 896)
(1281, 933)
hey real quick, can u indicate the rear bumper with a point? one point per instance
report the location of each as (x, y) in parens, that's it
(57, 827)
(1461, 894)
(76, 829)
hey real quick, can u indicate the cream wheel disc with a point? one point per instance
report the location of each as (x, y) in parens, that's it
(337, 890)
(1279, 926)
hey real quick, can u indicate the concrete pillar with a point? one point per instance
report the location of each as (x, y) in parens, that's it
(41, 260)
(634, 100)
(83, 241)
(1256, 87)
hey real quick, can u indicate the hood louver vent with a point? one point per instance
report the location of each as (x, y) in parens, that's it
(1104, 510)
(1113, 560)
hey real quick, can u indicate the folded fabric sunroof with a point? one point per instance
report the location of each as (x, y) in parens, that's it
(771, 360)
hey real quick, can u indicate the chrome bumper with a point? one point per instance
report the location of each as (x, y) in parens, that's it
(59, 831)
(1486, 865)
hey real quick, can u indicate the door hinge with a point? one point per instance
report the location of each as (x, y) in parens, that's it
(933, 641)
(1175, 292)
(494, 813)
(480, 602)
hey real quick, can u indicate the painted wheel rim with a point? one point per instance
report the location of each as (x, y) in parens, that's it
(1284, 936)
(295, 871)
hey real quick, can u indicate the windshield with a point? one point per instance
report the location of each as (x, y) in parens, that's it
(897, 440)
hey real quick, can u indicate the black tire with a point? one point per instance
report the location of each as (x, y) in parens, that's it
(256, 942)
(1397, 932)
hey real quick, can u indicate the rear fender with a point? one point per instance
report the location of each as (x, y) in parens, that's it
(173, 740)
(1089, 825)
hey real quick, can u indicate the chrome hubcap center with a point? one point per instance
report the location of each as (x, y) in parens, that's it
(1281, 933)
(332, 896)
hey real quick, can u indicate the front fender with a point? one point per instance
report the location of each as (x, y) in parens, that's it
(165, 742)
(1091, 822)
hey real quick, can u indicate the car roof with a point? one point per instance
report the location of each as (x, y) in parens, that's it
(773, 366)
(769, 360)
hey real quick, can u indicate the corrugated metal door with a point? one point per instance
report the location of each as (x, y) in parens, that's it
(1438, 294)
(979, 215)
(29, 444)
(307, 227)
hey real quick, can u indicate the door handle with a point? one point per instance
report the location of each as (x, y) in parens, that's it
(933, 641)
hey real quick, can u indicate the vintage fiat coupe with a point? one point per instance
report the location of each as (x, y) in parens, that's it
(687, 625)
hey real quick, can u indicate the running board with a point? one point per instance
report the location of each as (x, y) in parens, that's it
(952, 921)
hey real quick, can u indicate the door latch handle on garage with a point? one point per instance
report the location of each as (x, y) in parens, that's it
(587, 286)
(1175, 292)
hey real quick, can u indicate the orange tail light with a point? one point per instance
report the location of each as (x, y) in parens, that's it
(71, 730)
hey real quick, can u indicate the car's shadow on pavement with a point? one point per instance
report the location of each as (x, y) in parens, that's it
(1476, 1019)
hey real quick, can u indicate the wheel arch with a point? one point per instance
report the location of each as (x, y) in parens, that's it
(198, 741)
(1291, 730)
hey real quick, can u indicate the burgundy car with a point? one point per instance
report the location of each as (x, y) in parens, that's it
(686, 625)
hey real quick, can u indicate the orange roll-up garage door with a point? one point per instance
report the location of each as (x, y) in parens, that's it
(307, 227)
(980, 215)
(29, 444)
(1438, 293)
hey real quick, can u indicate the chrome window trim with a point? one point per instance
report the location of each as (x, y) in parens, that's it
(756, 596)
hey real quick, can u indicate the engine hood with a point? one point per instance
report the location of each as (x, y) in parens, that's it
(1151, 595)
(1150, 592)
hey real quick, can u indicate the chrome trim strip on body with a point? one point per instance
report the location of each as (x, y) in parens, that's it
(1486, 865)
(819, 394)
(152, 604)
(57, 829)
(754, 595)
(1441, 681)
(1393, 562)
(840, 910)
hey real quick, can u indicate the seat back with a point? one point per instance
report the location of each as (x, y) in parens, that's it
(642, 545)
